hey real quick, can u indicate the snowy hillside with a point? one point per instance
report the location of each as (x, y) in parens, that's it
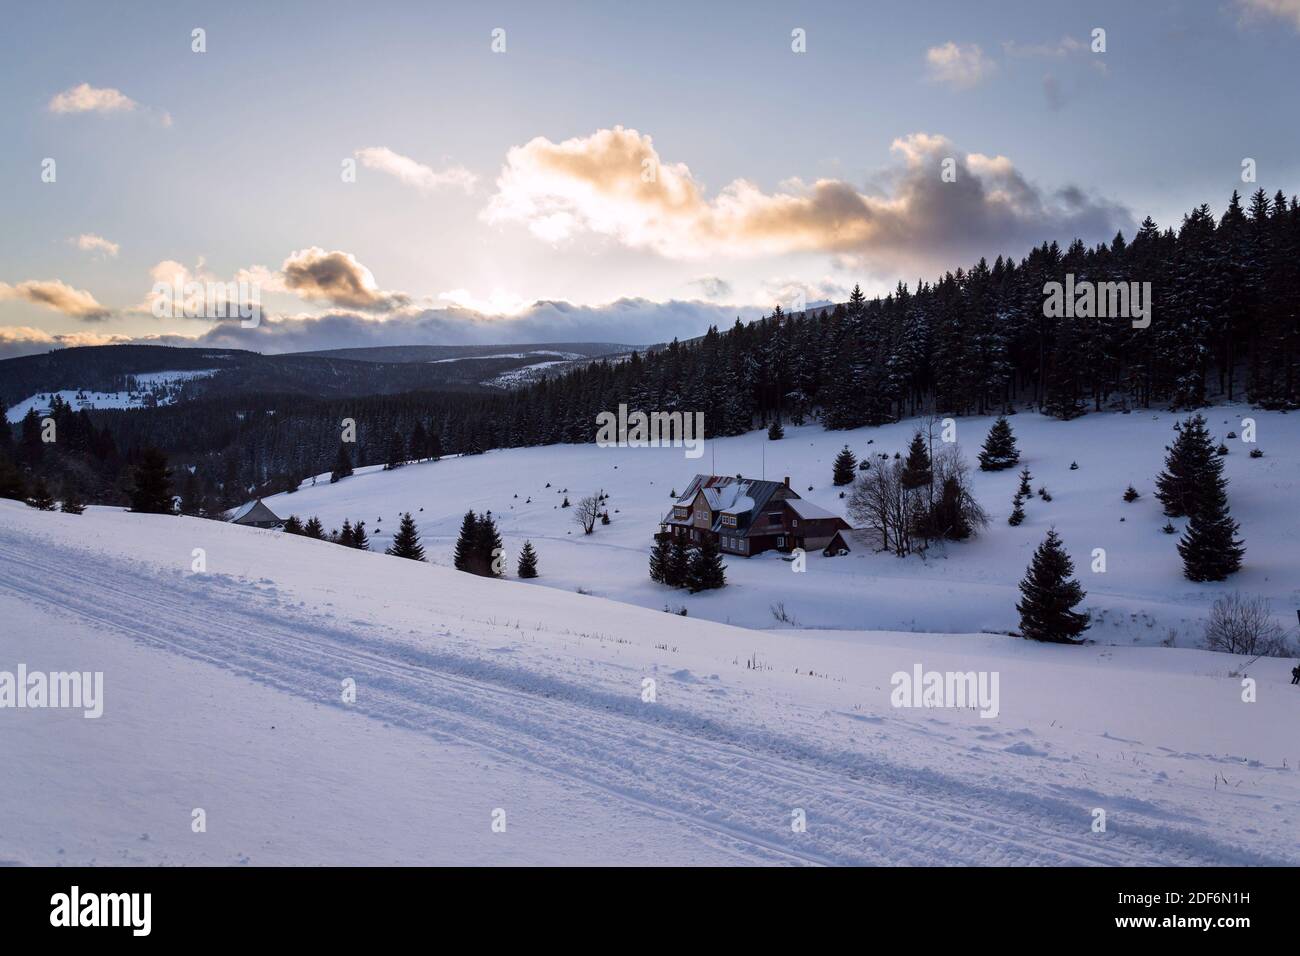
(222, 693)
(152, 388)
(1141, 598)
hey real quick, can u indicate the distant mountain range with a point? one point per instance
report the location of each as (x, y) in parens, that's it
(337, 373)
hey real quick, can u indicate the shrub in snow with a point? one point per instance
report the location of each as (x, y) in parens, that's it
(1241, 625)
(1169, 528)
(1256, 453)
(1221, 450)
(1131, 494)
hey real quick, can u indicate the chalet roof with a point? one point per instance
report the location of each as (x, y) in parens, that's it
(806, 509)
(253, 511)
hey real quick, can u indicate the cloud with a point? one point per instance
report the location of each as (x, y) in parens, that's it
(412, 173)
(89, 242)
(339, 279)
(598, 185)
(16, 340)
(960, 67)
(713, 287)
(1282, 9)
(89, 99)
(59, 296)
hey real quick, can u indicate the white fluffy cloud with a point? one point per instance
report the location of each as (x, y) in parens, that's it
(413, 173)
(16, 340)
(89, 242)
(958, 66)
(85, 98)
(59, 296)
(613, 183)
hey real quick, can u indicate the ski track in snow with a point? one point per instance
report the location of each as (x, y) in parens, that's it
(729, 783)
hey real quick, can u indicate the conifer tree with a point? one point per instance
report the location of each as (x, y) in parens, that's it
(463, 557)
(679, 564)
(917, 470)
(12, 484)
(71, 503)
(999, 450)
(314, 529)
(342, 464)
(1209, 546)
(1049, 596)
(706, 570)
(346, 537)
(526, 566)
(660, 555)
(1025, 490)
(845, 463)
(394, 451)
(1017, 510)
(152, 491)
(488, 553)
(191, 495)
(41, 498)
(406, 543)
(1188, 458)
(292, 525)
(774, 431)
(359, 539)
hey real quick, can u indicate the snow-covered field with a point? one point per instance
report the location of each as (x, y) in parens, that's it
(1140, 598)
(158, 388)
(222, 691)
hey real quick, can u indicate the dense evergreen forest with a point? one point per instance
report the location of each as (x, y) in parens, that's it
(1225, 324)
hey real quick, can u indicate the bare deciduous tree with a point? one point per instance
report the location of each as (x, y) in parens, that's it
(587, 512)
(1244, 625)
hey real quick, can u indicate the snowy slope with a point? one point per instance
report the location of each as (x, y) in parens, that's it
(1140, 598)
(157, 388)
(222, 691)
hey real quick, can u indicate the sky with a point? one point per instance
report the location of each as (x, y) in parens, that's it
(394, 173)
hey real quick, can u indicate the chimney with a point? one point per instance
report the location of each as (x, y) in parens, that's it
(787, 481)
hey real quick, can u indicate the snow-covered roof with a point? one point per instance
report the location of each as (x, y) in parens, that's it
(732, 498)
(806, 509)
(243, 510)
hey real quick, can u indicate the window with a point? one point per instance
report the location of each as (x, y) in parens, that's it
(729, 520)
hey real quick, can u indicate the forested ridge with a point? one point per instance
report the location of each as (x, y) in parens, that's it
(1225, 324)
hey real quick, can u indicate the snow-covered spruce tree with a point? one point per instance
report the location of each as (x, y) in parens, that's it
(463, 557)
(406, 543)
(1025, 491)
(152, 492)
(1046, 611)
(346, 537)
(526, 567)
(342, 464)
(999, 450)
(917, 470)
(774, 431)
(41, 498)
(845, 464)
(1209, 546)
(660, 555)
(1131, 494)
(1188, 458)
(314, 529)
(1017, 510)
(359, 539)
(292, 525)
(679, 565)
(71, 503)
(706, 569)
